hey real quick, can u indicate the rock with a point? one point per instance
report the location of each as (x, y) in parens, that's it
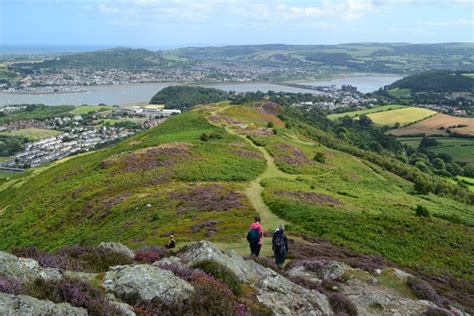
(122, 309)
(145, 282)
(148, 205)
(118, 248)
(399, 274)
(278, 293)
(24, 269)
(321, 270)
(168, 260)
(19, 305)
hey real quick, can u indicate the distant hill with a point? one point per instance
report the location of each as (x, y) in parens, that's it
(121, 58)
(372, 57)
(184, 97)
(436, 81)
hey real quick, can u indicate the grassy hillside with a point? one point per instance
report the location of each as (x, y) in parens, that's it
(160, 181)
(402, 116)
(436, 81)
(173, 179)
(383, 108)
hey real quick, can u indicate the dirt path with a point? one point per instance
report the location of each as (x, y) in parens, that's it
(254, 190)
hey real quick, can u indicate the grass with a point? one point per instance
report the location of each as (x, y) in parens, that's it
(382, 108)
(86, 109)
(7, 174)
(126, 119)
(32, 133)
(403, 116)
(400, 93)
(105, 196)
(460, 149)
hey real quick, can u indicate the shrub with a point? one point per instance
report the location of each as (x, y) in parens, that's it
(179, 270)
(10, 286)
(423, 290)
(330, 285)
(270, 124)
(75, 292)
(274, 131)
(422, 211)
(341, 305)
(204, 137)
(434, 311)
(95, 259)
(48, 260)
(222, 273)
(319, 157)
(146, 257)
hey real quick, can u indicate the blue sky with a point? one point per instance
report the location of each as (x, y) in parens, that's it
(174, 23)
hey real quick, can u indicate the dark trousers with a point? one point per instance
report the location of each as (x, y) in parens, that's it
(280, 257)
(255, 249)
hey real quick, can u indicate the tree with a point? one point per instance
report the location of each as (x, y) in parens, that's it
(438, 164)
(422, 184)
(270, 124)
(428, 142)
(365, 121)
(422, 166)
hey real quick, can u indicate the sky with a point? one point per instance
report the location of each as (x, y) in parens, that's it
(176, 23)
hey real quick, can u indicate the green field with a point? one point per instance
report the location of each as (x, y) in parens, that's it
(383, 108)
(404, 116)
(469, 75)
(460, 149)
(125, 119)
(85, 109)
(6, 174)
(400, 93)
(32, 133)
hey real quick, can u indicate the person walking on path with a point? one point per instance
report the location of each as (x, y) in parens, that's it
(280, 246)
(255, 237)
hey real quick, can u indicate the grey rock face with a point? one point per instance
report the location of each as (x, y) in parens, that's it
(331, 270)
(278, 293)
(118, 248)
(145, 282)
(24, 269)
(19, 305)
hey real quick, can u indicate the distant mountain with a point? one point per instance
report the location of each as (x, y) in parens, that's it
(372, 57)
(116, 58)
(436, 81)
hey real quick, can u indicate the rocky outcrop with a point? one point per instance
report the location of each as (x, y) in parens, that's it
(19, 305)
(276, 292)
(118, 248)
(144, 283)
(25, 270)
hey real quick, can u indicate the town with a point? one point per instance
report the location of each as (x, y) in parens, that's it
(78, 133)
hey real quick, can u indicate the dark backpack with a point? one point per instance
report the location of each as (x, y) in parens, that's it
(279, 244)
(253, 235)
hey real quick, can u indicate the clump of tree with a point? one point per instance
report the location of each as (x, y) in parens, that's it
(185, 97)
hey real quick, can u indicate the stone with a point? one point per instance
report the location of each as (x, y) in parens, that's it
(118, 248)
(24, 269)
(275, 291)
(145, 282)
(19, 305)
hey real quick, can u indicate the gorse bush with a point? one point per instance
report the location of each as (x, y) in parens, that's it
(222, 273)
(422, 211)
(341, 305)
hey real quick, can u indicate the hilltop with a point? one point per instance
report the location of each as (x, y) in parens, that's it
(436, 81)
(204, 174)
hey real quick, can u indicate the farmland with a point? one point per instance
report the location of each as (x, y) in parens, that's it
(400, 93)
(383, 108)
(460, 149)
(32, 133)
(438, 125)
(404, 116)
(85, 109)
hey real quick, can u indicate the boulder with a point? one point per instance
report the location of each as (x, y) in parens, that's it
(276, 292)
(18, 305)
(24, 269)
(323, 270)
(118, 248)
(144, 282)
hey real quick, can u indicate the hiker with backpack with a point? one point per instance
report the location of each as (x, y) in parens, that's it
(255, 237)
(280, 246)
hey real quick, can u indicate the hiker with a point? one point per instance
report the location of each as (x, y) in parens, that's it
(280, 246)
(255, 237)
(171, 243)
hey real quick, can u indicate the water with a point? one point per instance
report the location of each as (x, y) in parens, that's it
(143, 92)
(368, 83)
(127, 93)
